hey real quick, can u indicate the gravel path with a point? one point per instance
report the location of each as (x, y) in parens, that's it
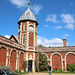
(46, 74)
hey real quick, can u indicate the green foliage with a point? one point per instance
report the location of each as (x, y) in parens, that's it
(16, 71)
(41, 46)
(71, 68)
(36, 64)
(54, 70)
(5, 67)
(24, 65)
(43, 63)
(19, 72)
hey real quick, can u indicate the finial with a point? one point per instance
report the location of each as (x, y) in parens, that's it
(28, 4)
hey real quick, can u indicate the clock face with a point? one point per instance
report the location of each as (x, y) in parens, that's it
(31, 28)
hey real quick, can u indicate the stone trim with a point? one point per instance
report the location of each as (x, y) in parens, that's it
(65, 58)
(61, 59)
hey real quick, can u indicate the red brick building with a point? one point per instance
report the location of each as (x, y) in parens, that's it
(15, 50)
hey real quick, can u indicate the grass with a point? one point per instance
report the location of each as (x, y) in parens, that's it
(24, 72)
(59, 72)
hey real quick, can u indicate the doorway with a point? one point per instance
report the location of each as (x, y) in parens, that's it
(29, 65)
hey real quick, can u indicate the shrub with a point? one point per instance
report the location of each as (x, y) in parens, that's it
(54, 70)
(19, 71)
(71, 68)
(16, 71)
(24, 65)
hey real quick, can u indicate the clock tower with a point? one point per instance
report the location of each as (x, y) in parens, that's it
(27, 33)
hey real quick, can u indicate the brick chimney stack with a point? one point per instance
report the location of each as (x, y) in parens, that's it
(64, 42)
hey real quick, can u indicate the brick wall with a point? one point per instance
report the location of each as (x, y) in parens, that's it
(70, 59)
(30, 38)
(13, 60)
(3, 57)
(21, 61)
(56, 61)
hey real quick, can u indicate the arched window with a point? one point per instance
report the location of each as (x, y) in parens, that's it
(23, 38)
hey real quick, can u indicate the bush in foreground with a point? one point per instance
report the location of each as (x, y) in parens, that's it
(71, 68)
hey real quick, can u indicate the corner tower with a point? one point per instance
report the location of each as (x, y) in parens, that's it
(27, 33)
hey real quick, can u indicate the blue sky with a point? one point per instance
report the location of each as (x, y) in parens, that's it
(56, 19)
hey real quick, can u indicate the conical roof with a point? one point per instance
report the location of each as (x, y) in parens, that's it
(28, 15)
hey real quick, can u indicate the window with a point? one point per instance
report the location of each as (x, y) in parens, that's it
(23, 38)
(24, 27)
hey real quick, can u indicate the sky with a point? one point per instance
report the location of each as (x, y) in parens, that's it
(56, 20)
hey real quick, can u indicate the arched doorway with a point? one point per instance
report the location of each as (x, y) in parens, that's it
(21, 61)
(3, 57)
(13, 60)
(56, 62)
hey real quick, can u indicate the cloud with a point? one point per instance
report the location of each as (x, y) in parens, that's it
(36, 8)
(69, 26)
(52, 18)
(7, 36)
(65, 35)
(23, 3)
(58, 27)
(67, 18)
(46, 25)
(19, 3)
(55, 42)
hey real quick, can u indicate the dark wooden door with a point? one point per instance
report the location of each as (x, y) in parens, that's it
(30, 66)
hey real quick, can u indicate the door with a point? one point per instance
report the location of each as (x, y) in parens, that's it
(30, 66)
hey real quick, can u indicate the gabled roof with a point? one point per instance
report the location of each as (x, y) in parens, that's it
(14, 38)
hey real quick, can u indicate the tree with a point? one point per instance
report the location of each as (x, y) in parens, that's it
(41, 46)
(24, 65)
(41, 63)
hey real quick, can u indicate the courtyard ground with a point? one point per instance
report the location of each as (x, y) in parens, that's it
(46, 74)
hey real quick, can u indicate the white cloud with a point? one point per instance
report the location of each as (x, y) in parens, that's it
(69, 26)
(7, 36)
(67, 18)
(58, 27)
(52, 18)
(66, 35)
(23, 3)
(46, 25)
(36, 8)
(19, 3)
(56, 42)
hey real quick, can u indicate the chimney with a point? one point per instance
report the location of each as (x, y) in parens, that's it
(64, 42)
